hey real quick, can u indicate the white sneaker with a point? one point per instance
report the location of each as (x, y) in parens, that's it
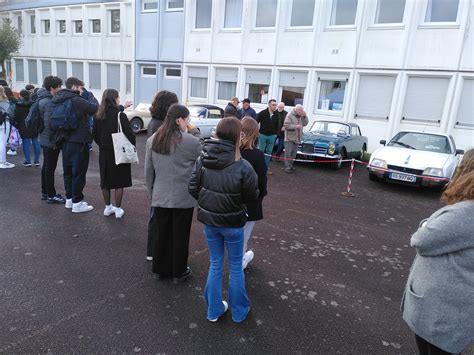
(82, 206)
(248, 257)
(149, 258)
(109, 210)
(226, 307)
(12, 152)
(68, 203)
(6, 165)
(119, 212)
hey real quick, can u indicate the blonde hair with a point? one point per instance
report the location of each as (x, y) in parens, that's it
(461, 187)
(3, 96)
(250, 132)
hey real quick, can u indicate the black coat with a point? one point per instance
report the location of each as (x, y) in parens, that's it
(256, 158)
(232, 111)
(268, 123)
(153, 126)
(281, 119)
(222, 185)
(22, 108)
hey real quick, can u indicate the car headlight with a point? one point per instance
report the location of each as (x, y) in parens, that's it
(331, 148)
(433, 172)
(379, 163)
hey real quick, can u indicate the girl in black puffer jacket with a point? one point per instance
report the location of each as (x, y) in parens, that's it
(222, 183)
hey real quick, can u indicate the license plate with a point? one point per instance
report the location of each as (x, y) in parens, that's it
(402, 177)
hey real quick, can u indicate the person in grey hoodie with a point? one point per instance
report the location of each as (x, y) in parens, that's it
(438, 303)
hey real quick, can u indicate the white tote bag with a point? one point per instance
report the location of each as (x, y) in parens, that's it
(125, 152)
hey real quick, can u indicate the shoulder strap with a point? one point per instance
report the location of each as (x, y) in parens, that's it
(119, 124)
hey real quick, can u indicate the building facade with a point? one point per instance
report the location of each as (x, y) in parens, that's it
(91, 40)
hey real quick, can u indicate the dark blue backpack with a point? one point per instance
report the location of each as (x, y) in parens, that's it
(34, 122)
(63, 116)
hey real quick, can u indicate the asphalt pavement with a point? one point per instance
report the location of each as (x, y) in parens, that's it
(327, 278)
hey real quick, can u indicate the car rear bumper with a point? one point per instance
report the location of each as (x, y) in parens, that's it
(418, 180)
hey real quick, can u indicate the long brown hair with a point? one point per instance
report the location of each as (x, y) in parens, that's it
(461, 187)
(229, 129)
(250, 132)
(161, 103)
(169, 133)
(109, 99)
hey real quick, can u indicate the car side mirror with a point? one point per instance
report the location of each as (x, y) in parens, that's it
(383, 142)
(459, 151)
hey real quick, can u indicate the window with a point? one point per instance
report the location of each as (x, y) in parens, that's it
(149, 5)
(374, 97)
(113, 76)
(148, 71)
(32, 24)
(61, 26)
(343, 12)
(128, 79)
(302, 12)
(226, 83)
(46, 26)
(95, 26)
(465, 115)
(292, 87)
(258, 82)
(266, 13)
(78, 70)
(114, 21)
(233, 14)
(203, 13)
(355, 131)
(32, 71)
(77, 26)
(172, 72)
(19, 26)
(174, 5)
(46, 69)
(442, 11)
(424, 100)
(331, 95)
(198, 82)
(95, 76)
(20, 70)
(61, 69)
(390, 11)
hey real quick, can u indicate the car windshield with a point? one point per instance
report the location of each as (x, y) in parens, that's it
(197, 111)
(421, 141)
(330, 128)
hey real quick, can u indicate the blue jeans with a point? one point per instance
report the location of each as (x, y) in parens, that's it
(75, 164)
(265, 144)
(233, 240)
(36, 148)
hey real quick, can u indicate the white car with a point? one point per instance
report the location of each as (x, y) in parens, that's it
(416, 158)
(139, 117)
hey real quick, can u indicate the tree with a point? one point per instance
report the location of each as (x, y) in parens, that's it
(10, 41)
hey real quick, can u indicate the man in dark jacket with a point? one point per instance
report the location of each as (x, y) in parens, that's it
(75, 151)
(281, 114)
(246, 110)
(51, 86)
(268, 130)
(231, 110)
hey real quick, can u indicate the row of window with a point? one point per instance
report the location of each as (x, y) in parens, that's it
(171, 5)
(424, 101)
(95, 26)
(94, 81)
(343, 12)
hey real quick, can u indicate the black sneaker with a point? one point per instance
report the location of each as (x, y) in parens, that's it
(26, 164)
(44, 197)
(37, 163)
(56, 199)
(183, 276)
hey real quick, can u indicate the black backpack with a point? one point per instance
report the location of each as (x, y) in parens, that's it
(34, 121)
(4, 116)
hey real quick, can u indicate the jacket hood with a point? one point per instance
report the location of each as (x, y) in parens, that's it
(63, 95)
(43, 93)
(217, 154)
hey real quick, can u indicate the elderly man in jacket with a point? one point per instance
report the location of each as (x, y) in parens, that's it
(294, 123)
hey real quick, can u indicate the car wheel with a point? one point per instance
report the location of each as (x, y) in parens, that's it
(373, 177)
(342, 156)
(137, 124)
(364, 149)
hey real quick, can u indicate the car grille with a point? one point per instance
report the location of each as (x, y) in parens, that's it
(320, 150)
(405, 170)
(308, 148)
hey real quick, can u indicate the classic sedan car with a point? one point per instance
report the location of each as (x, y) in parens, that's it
(205, 118)
(416, 158)
(332, 140)
(139, 117)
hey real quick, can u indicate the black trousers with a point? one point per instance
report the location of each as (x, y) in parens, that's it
(50, 162)
(425, 348)
(75, 165)
(151, 233)
(171, 241)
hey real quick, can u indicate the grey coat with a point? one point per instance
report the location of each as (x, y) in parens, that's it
(45, 135)
(167, 176)
(438, 303)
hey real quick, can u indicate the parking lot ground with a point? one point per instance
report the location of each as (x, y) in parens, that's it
(327, 277)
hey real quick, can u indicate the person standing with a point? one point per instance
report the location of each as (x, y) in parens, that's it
(246, 110)
(232, 108)
(281, 114)
(268, 130)
(256, 158)
(438, 302)
(75, 151)
(223, 183)
(11, 111)
(112, 176)
(169, 161)
(4, 129)
(294, 123)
